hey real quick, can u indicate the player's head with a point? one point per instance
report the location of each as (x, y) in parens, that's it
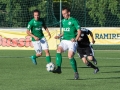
(36, 14)
(66, 12)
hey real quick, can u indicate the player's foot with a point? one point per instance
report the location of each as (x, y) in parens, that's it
(58, 70)
(76, 76)
(94, 61)
(96, 70)
(34, 60)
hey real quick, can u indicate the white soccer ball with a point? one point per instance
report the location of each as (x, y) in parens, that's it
(50, 67)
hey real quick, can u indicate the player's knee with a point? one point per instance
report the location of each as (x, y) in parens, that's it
(39, 54)
(84, 60)
(90, 58)
(70, 56)
(59, 50)
(47, 52)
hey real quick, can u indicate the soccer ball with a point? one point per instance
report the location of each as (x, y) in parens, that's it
(50, 67)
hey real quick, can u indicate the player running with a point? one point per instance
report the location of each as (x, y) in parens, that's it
(85, 50)
(71, 33)
(34, 29)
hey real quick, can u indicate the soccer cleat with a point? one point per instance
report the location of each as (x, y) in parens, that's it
(34, 60)
(96, 70)
(94, 61)
(76, 76)
(58, 70)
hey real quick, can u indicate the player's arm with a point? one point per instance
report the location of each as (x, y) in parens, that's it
(46, 29)
(92, 37)
(29, 32)
(77, 26)
(78, 35)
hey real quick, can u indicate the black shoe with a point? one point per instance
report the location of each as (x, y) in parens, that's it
(94, 61)
(76, 76)
(58, 70)
(96, 70)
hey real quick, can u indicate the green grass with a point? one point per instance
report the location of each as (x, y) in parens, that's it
(17, 72)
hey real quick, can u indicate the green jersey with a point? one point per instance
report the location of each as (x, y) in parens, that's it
(36, 27)
(70, 27)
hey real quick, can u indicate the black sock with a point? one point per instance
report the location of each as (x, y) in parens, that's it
(58, 67)
(94, 58)
(89, 64)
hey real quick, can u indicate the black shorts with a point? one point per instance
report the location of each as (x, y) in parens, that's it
(85, 51)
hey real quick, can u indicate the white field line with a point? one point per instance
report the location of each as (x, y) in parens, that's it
(54, 57)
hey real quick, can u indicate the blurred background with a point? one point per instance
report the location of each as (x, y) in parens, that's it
(90, 13)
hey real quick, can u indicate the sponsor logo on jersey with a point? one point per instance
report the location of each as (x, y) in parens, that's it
(34, 21)
(66, 29)
(69, 23)
(38, 28)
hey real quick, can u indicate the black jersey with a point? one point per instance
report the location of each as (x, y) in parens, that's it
(84, 42)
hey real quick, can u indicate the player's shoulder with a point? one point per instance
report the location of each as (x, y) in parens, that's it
(74, 20)
(85, 30)
(63, 20)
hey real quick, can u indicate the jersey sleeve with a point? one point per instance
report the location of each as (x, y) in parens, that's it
(76, 24)
(87, 31)
(29, 26)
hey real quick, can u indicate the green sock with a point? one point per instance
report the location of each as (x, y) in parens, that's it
(58, 59)
(48, 59)
(73, 63)
(34, 56)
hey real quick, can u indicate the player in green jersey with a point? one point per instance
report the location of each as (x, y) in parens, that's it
(34, 29)
(71, 33)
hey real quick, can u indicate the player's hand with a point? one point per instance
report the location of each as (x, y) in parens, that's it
(79, 39)
(56, 37)
(73, 40)
(93, 41)
(36, 38)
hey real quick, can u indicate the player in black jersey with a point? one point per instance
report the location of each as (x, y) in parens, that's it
(85, 50)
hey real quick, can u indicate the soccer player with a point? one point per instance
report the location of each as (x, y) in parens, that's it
(71, 33)
(34, 29)
(85, 50)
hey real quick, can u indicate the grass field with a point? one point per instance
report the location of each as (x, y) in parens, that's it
(17, 72)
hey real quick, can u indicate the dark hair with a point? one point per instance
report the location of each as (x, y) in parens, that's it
(66, 8)
(36, 10)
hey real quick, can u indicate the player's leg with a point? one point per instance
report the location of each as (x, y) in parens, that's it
(71, 51)
(45, 47)
(48, 57)
(82, 54)
(96, 69)
(93, 59)
(90, 58)
(61, 47)
(38, 50)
